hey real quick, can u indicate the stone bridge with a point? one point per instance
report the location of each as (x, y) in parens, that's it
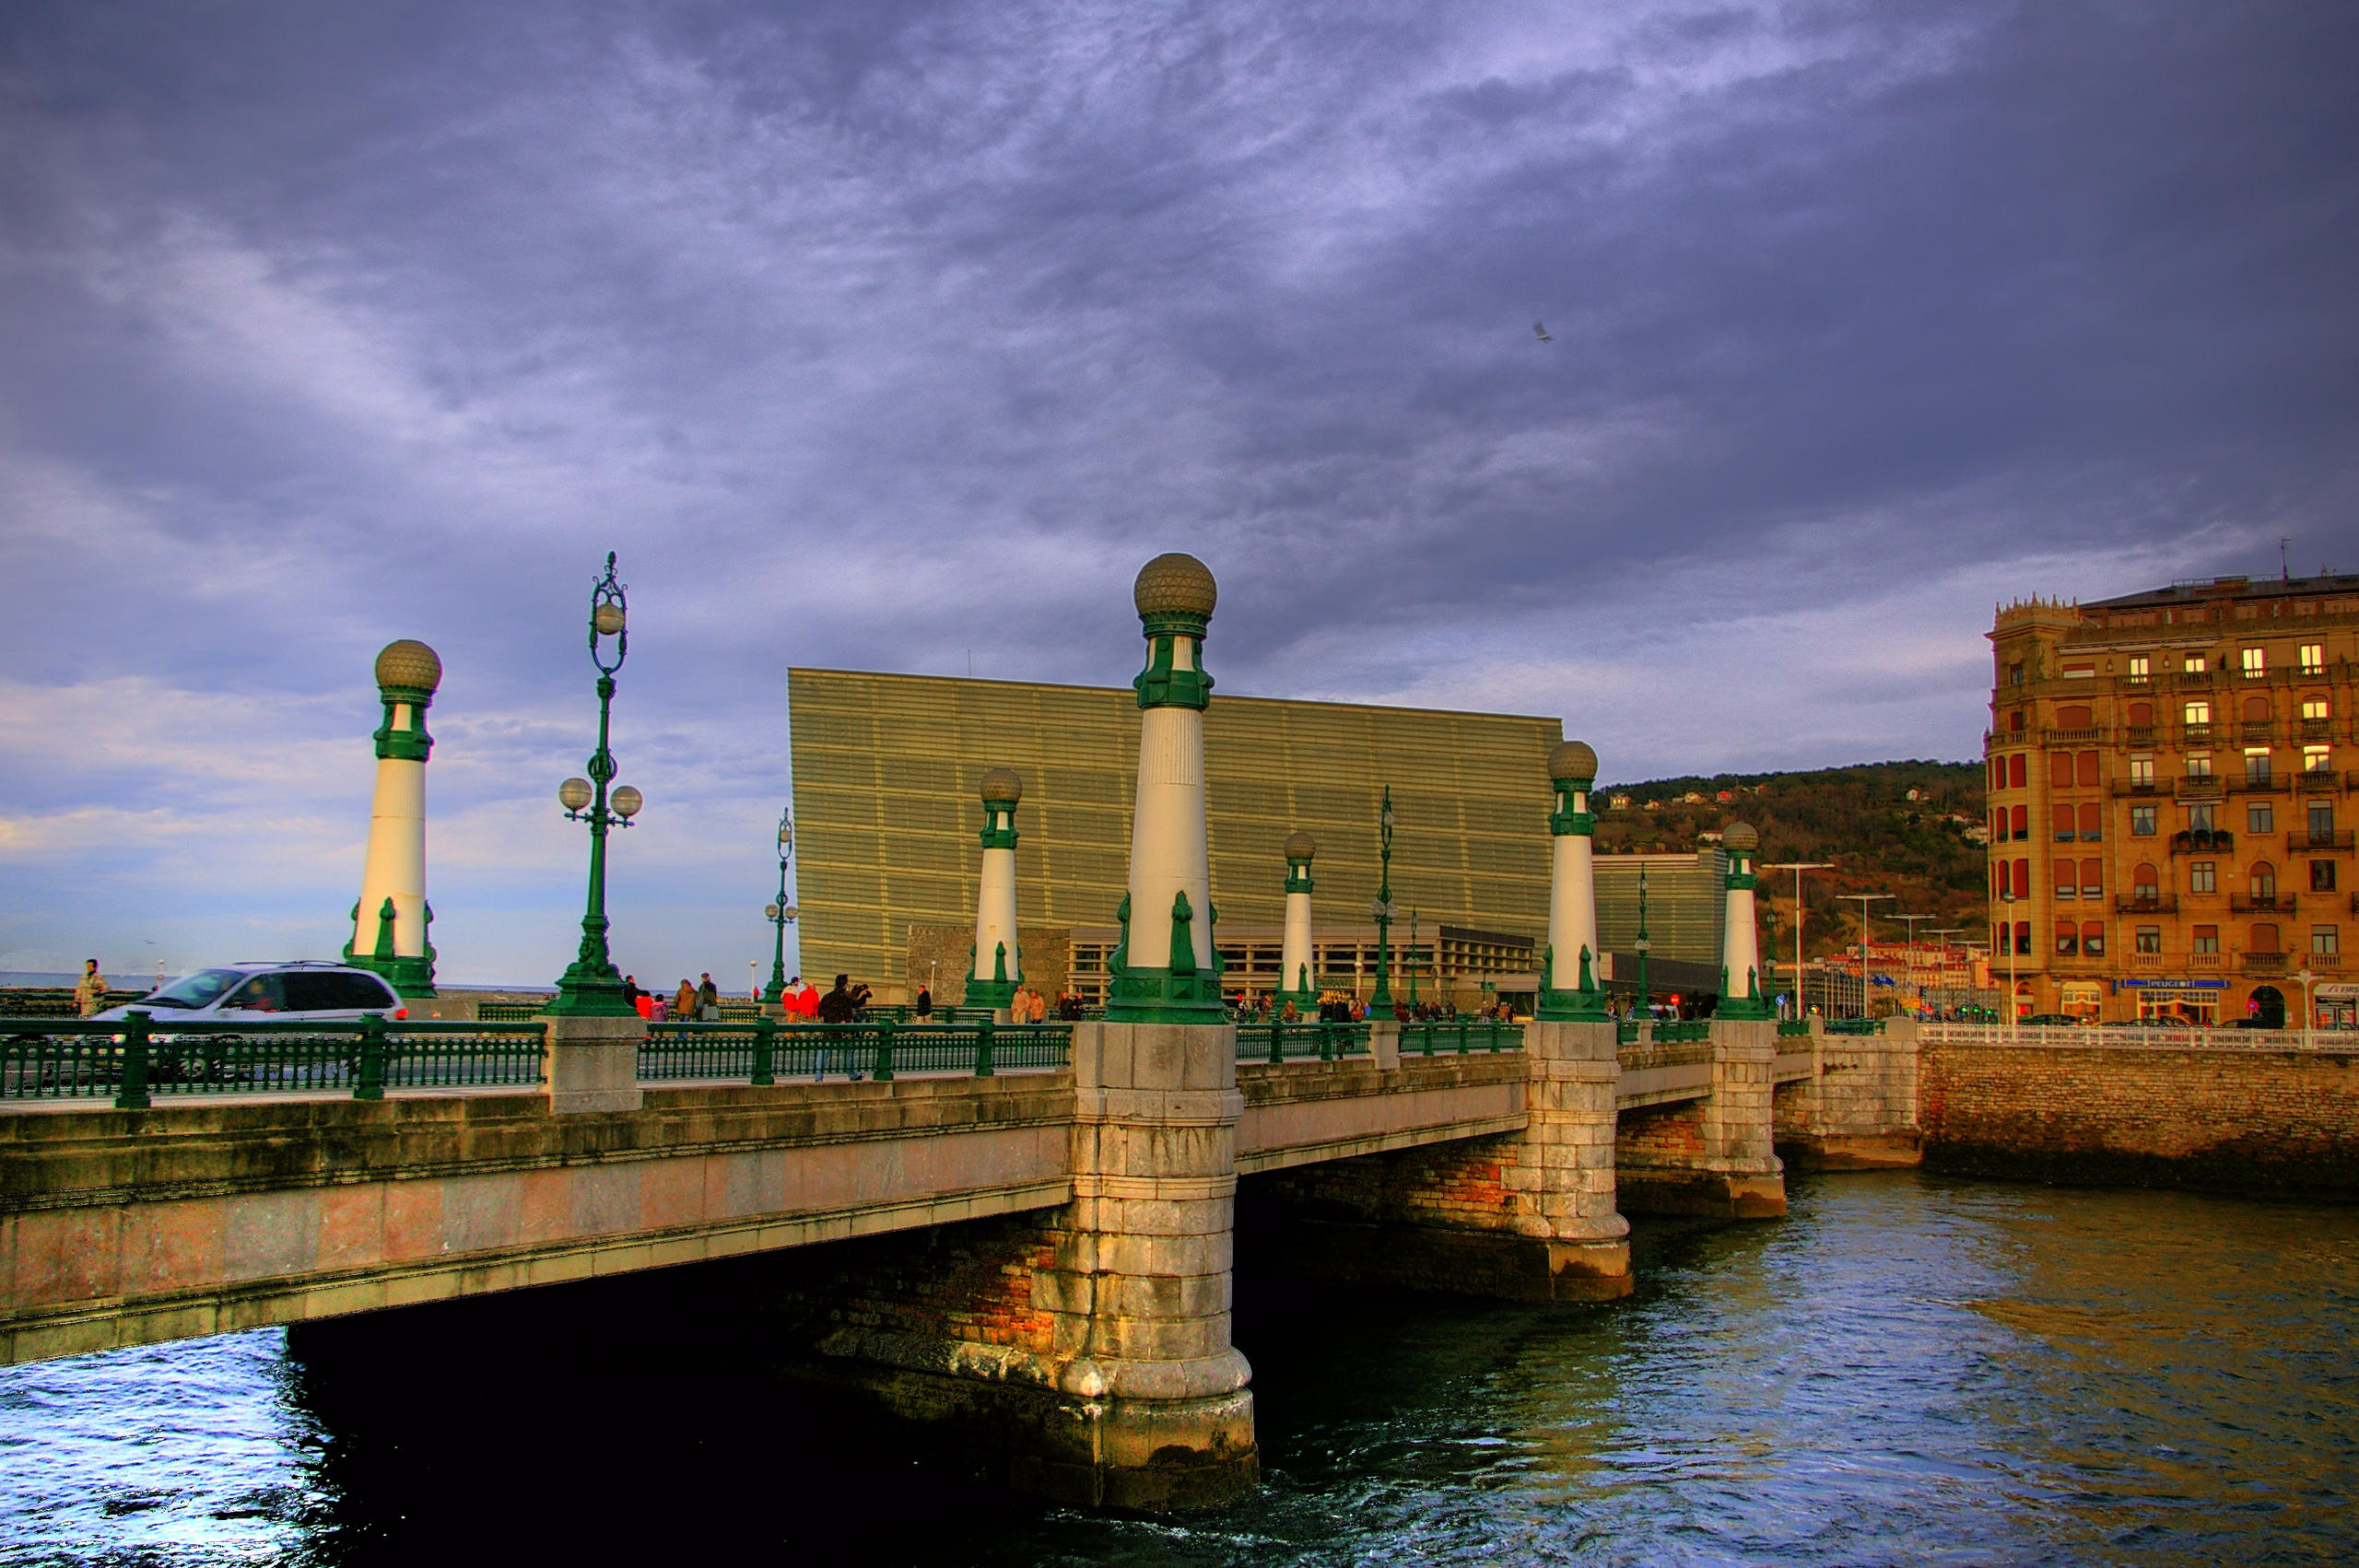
(1108, 1187)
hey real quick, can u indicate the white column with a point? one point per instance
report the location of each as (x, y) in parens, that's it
(996, 897)
(1297, 966)
(395, 867)
(1167, 842)
(1572, 907)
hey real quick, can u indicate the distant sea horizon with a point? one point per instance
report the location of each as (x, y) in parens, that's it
(34, 979)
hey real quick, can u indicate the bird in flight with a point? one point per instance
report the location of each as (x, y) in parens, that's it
(1540, 332)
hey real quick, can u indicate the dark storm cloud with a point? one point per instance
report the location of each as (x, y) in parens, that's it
(890, 336)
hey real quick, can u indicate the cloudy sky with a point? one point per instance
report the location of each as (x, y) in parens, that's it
(897, 336)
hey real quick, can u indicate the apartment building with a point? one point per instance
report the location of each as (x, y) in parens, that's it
(2171, 781)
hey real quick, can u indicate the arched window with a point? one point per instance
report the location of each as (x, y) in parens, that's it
(2145, 885)
(2141, 715)
(2023, 883)
(2066, 885)
(2060, 769)
(2020, 817)
(2256, 709)
(2016, 771)
(2264, 880)
(2023, 940)
(2093, 939)
(2076, 718)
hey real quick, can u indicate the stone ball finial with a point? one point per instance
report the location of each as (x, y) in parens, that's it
(409, 663)
(1574, 759)
(1173, 581)
(1741, 835)
(1301, 846)
(1002, 786)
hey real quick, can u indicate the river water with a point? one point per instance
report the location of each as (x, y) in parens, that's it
(1906, 1369)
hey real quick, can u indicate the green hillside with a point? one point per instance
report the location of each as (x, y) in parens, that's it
(1861, 818)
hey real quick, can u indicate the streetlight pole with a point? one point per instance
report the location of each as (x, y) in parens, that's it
(1413, 959)
(1865, 899)
(2310, 1012)
(1801, 1006)
(1912, 921)
(1942, 962)
(1381, 1004)
(2006, 908)
(1646, 993)
(591, 986)
(781, 913)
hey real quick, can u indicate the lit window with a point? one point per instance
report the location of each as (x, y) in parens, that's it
(2198, 712)
(2256, 664)
(2141, 770)
(2315, 708)
(2191, 664)
(2317, 759)
(2260, 816)
(2325, 941)
(2203, 877)
(2256, 765)
(2142, 822)
(2141, 669)
(2313, 659)
(2199, 765)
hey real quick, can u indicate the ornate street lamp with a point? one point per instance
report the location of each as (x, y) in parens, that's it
(1413, 959)
(781, 914)
(1382, 912)
(1646, 994)
(592, 987)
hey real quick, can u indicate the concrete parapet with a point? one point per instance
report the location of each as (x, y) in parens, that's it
(1856, 1108)
(592, 1064)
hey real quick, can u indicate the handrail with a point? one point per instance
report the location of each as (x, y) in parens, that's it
(1303, 1039)
(766, 1050)
(139, 1056)
(1462, 1035)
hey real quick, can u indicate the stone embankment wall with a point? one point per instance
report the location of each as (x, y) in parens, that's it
(1852, 1102)
(2203, 1114)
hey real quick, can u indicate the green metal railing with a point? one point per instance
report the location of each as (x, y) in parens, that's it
(1625, 1032)
(766, 1051)
(1303, 1040)
(1788, 1028)
(1463, 1035)
(510, 1011)
(1854, 1025)
(135, 1059)
(1686, 1031)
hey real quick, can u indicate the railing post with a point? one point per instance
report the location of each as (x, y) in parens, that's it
(765, 1049)
(369, 1082)
(1327, 1041)
(983, 1049)
(1462, 1035)
(131, 1094)
(885, 1051)
(1277, 1038)
(1495, 1036)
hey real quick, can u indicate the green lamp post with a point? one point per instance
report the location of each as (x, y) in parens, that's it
(1382, 911)
(781, 913)
(1646, 994)
(590, 986)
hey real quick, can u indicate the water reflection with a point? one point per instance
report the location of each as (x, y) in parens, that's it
(1905, 1369)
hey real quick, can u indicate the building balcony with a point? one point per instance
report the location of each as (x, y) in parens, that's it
(2260, 904)
(2256, 735)
(2160, 904)
(2264, 963)
(2318, 729)
(2195, 734)
(2139, 787)
(2191, 680)
(2259, 784)
(2075, 737)
(2203, 961)
(2318, 841)
(2138, 734)
(2199, 841)
(2324, 963)
(2198, 787)
(2145, 960)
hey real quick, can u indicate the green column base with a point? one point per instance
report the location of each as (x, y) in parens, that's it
(1158, 996)
(1572, 1007)
(990, 993)
(587, 993)
(1743, 1008)
(412, 979)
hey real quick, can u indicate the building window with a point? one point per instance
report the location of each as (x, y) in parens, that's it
(2315, 709)
(2016, 675)
(2256, 664)
(2198, 816)
(2190, 663)
(2060, 769)
(2015, 721)
(2317, 759)
(2256, 765)
(2093, 878)
(2196, 713)
(2061, 820)
(2262, 938)
(2141, 669)
(2021, 819)
(2324, 941)
(2017, 770)
(2092, 940)
(2313, 659)
(2141, 770)
(2068, 940)
(2261, 881)
(2150, 938)
(2199, 765)
(2142, 821)
(2022, 938)
(2087, 770)
(2092, 823)
(2321, 876)
(2260, 816)
(2322, 819)
(2206, 939)
(2023, 881)
(2066, 887)
(2203, 876)
(2145, 885)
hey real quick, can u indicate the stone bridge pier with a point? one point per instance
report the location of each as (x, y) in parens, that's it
(1715, 1154)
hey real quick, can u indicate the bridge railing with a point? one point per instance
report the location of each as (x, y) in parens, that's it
(135, 1059)
(2140, 1038)
(1305, 1039)
(1460, 1036)
(766, 1051)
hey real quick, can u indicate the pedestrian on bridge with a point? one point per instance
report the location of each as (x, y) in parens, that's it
(91, 992)
(708, 1000)
(684, 1001)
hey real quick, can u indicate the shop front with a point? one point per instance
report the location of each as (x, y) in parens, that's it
(2176, 1001)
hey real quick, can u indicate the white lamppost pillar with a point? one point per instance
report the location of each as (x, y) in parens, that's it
(1167, 968)
(389, 923)
(1294, 979)
(996, 967)
(1739, 942)
(1570, 988)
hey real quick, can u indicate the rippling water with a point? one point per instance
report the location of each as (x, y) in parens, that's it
(1906, 1369)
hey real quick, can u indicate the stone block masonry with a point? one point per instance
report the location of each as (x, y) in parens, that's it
(1852, 1103)
(2238, 1119)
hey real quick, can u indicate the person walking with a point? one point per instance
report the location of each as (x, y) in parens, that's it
(838, 1006)
(90, 990)
(924, 1008)
(684, 1001)
(708, 1000)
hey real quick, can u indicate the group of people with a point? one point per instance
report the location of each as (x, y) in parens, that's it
(1342, 1007)
(694, 1000)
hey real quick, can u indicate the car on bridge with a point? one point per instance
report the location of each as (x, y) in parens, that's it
(301, 991)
